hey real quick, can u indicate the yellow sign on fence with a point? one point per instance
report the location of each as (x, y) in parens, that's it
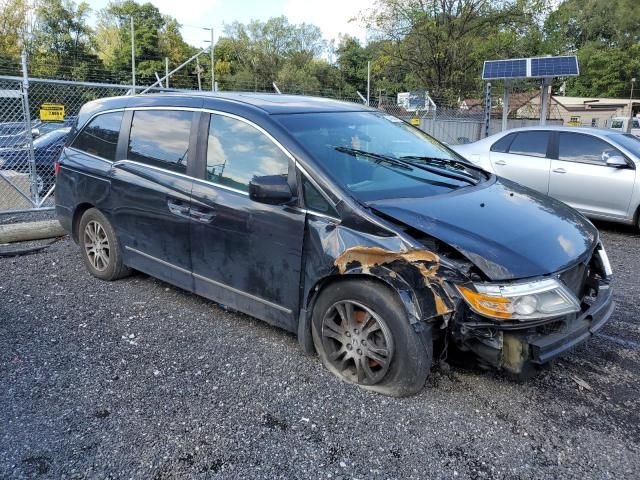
(415, 121)
(51, 112)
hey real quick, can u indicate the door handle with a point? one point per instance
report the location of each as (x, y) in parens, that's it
(500, 162)
(559, 170)
(178, 207)
(204, 216)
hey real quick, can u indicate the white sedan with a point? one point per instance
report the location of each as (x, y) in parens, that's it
(593, 170)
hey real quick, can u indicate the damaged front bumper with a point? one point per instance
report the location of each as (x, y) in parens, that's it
(518, 347)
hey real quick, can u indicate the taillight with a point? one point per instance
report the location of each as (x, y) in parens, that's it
(56, 168)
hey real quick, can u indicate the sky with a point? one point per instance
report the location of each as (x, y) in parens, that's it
(332, 16)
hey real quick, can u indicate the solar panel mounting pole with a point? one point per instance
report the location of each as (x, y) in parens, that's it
(544, 98)
(505, 104)
(487, 109)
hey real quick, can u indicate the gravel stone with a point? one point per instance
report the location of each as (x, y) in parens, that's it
(138, 379)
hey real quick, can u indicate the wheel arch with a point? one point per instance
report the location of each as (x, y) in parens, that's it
(77, 215)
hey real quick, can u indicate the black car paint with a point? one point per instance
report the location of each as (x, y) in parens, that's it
(271, 261)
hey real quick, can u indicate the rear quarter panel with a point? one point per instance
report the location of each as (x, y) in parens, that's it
(82, 179)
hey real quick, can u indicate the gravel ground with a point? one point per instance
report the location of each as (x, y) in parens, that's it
(137, 379)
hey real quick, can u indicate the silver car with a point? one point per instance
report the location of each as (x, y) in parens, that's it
(590, 169)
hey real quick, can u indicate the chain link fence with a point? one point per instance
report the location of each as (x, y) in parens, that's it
(31, 141)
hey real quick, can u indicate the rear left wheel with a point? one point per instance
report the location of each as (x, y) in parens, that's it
(362, 335)
(101, 250)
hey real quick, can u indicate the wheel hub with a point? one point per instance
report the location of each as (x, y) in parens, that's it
(358, 342)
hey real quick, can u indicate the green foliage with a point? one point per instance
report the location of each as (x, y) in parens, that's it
(432, 45)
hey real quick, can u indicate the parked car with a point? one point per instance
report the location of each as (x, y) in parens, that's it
(592, 170)
(621, 124)
(46, 150)
(372, 241)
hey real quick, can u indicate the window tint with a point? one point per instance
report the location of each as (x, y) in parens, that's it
(574, 147)
(502, 145)
(533, 144)
(100, 136)
(237, 152)
(314, 200)
(160, 138)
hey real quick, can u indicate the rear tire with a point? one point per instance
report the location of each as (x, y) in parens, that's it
(101, 250)
(362, 335)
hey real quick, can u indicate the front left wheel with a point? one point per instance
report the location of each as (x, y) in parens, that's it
(101, 249)
(362, 335)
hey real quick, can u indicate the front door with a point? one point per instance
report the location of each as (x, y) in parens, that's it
(246, 254)
(581, 178)
(526, 160)
(151, 191)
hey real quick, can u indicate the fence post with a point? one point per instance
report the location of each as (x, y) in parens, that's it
(33, 175)
(487, 109)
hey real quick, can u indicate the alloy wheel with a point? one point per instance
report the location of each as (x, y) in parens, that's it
(96, 245)
(357, 341)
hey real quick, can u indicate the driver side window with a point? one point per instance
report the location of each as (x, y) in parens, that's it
(237, 152)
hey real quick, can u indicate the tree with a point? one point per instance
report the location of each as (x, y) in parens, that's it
(606, 38)
(12, 28)
(440, 43)
(263, 48)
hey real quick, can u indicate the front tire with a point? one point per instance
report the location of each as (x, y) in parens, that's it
(101, 249)
(362, 335)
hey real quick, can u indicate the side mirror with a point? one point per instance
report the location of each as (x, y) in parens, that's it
(617, 162)
(35, 133)
(271, 189)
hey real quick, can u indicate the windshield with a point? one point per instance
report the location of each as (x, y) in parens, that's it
(375, 156)
(628, 141)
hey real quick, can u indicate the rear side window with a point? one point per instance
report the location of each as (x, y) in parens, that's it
(502, 145)
(100, 136)
(533, 144)
(160, 138)
(575, 147)
(237, 152)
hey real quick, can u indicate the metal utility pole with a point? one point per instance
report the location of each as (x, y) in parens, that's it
(133, 60)
(368, 82)
(505, 104)
(198, 69)
(213, 64)
(544, 98)
(630, 122)
(166, 71)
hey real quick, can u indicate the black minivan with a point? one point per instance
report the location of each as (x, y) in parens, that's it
(372, 241)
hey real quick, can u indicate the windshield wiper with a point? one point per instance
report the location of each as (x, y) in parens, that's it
(444, 161)
(407, 165)
(376, 157)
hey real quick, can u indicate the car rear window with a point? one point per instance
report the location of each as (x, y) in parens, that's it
(160, 138)
(100, 136)
(502, 145)
(533, 144)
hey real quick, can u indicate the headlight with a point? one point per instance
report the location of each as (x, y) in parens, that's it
(520, 301)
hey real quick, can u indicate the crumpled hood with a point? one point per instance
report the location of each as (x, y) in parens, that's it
(508, 231)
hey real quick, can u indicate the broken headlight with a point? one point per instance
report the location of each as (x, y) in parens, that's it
(520, 301)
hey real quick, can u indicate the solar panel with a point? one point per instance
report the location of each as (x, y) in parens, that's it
(494, 69)
(530, 68)
(554, 66)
